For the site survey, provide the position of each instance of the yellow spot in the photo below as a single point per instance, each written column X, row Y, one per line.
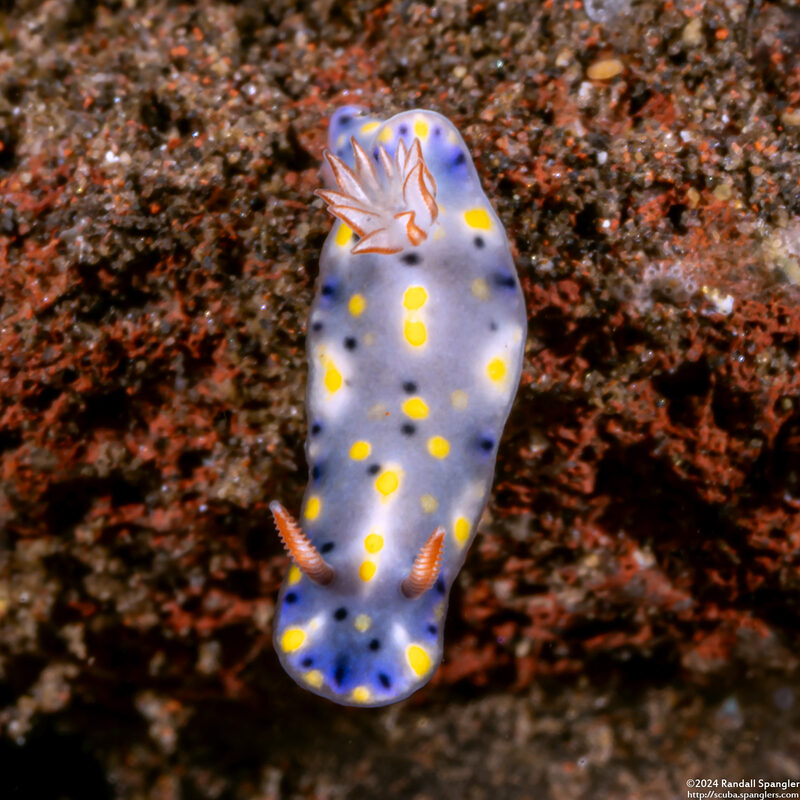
column 387, row 482
column 421, row 130
column 361, row 694
column 415, row 333
column 357, row 305
column 438, row 446
column 368, row 127
column 480, row 289
column 373, row 543
column 313, row 678
column 414, row 297
column 313, row 507
column 360, row 450
column 415, row 408
column 294, row 575
column 438, row 231
column 333, row 378
column 367, row 570
column 429, row 503
column 418, row 659
column 385, row 135
column 292, row 639
column 362, row 623
column 343, row 235
column 340, row 141
column 478, row 218
column 461, row 530
column 459, row 399
column 452, row 138
column 496, row 369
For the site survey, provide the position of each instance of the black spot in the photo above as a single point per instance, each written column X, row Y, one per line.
column 403, row 130
column 410, row 259
column 492, row 326
column 437, row 131
column 409, row 387
column 307, row 662
column 327, row 547
column 350, row 343
column 345, row 119
column 478, row 242
column 373, row 469
column 459, row 160
column 340, row 614
column 440, row 585
column 504, row 279
column 290, row 598
column 486, row 443
column 385, row 680
column 315, row 428
column 408, row 429
column 340, row 152
column 375, row 153
column 375, row 644
column 317, row 326
column 432, row 630
column 316, row 472
column 328, row 290
column 341, row 669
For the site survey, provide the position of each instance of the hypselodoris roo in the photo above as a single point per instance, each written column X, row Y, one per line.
column 415, row 345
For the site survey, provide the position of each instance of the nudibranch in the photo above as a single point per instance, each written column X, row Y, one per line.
column 415, row 345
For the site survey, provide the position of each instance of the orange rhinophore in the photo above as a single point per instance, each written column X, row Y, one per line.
column 299, row 548
column 426, row 566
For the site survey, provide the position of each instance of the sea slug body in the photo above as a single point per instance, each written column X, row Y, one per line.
column 415, row 344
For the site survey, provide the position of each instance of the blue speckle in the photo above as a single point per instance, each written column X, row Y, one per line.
column 327, row 547
column 307, row 662
column 403, row 130
column 290, row 598
column 341, row 669
column 432, row 630
column 504, row 279
column 486, row 443
column 440, row 585
column 385, row 680
column 459, row 160
column 316, row 472
column 315, row 428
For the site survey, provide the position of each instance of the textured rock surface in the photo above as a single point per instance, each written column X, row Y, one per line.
column 628, row 618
